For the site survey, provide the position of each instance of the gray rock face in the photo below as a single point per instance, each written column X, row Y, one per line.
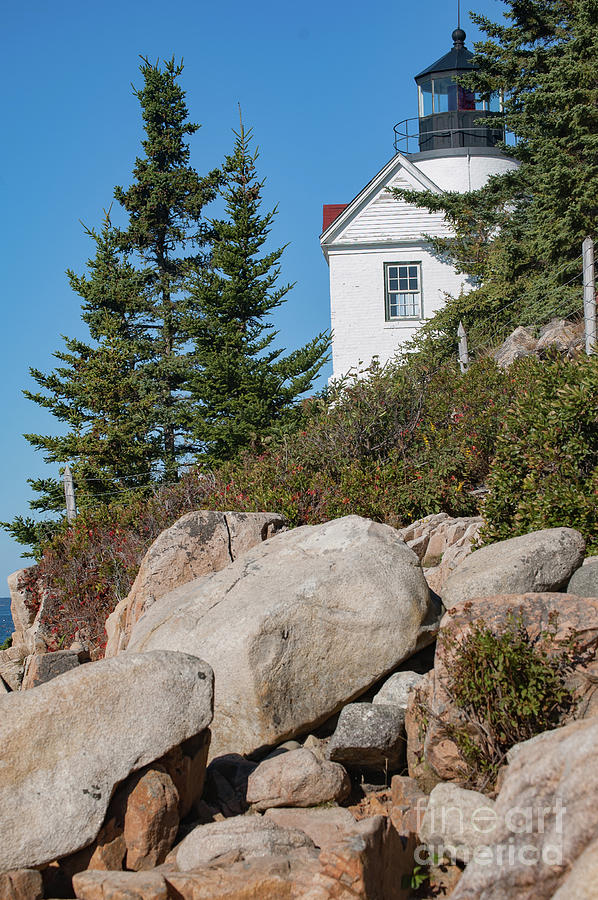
column 560, row 335
column 580, row 883
column 12, row 666
column 584, row 582
column 518, row 344
column 535, row 562
column 441, row 543
column 242, row 837
column 66, row 744
column 44, row 667
column 296, row 778
column 547, row 818
column 22, row 616
column 29, row 634
column 24, row 884
column 395, row 691
column 198, row 543
column 297, row 627
column 324, row 825
column 457, row 822
column 369, row 736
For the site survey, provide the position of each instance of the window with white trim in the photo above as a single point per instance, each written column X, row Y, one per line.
column 403, row 290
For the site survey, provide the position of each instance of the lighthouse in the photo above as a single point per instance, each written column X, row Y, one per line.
column 385, row 280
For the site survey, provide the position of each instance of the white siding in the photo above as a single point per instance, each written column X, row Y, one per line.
column 385, row 219
column 357, row 302
column 380, row 229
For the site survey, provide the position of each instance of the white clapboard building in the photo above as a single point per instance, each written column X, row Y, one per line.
column 384, row 279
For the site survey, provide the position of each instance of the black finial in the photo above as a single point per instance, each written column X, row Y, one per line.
column 458, row 38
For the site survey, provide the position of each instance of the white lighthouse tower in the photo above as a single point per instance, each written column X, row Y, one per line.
column 384, row 279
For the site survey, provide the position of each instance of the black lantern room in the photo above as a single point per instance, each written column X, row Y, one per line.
column 449, row 114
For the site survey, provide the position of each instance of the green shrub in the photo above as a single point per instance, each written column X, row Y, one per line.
column 394, row 447
column 508, row 687
column 545, row 470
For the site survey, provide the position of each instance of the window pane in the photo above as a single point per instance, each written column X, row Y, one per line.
column 403, row 291
column 445, row 95
column 467, row 98
column 495, row 102
column 411, row 304
column 425, row 94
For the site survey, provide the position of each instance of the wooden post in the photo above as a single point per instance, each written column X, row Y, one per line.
column 589, row 300
column 463, row 351
column 69, row 495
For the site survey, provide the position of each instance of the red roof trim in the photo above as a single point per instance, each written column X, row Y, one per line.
column 330, row 212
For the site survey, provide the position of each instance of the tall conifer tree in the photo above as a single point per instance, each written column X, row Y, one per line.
column 167, row 234
column 120, row 395
column 244, row 388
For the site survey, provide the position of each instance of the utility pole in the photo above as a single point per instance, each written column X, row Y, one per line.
column 463, row 351
column 589, row 294
column 69, row 495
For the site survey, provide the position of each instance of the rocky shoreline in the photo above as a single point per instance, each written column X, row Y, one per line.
column 255, row 729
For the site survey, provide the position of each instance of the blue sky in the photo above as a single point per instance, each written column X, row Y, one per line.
column 322, row 84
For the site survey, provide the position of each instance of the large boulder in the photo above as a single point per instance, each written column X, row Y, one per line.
column 457, row 822
column 367, row 861
column 296, row 778
column 520, row 343
column 241, row 837
column 12, row 666
column 395, row 691
column 68, row 743
column 442, row 543
column 325, row 825
column 562, row 336
column 43, row 667
column 546, row 819
column 151, row 819
column 121, row 886
column 584, row 581
column 198, row 543
column 297, row 627
column 369, row 736
column 539, row 561
column 432, row 715
column 580, row 883
column 24, row 884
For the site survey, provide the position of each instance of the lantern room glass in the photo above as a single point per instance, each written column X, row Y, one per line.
column 443, row 94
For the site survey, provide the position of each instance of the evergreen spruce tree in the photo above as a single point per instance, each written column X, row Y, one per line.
column 244, row 388
column 520, row 236
column 168, row 236
column 96, row 392
column 120, row 396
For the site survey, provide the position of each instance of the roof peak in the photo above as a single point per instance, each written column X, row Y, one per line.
column 458, row 57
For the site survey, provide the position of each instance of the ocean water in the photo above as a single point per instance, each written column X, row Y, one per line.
column 6, row 626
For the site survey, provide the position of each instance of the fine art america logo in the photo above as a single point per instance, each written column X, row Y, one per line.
column 524, row 835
